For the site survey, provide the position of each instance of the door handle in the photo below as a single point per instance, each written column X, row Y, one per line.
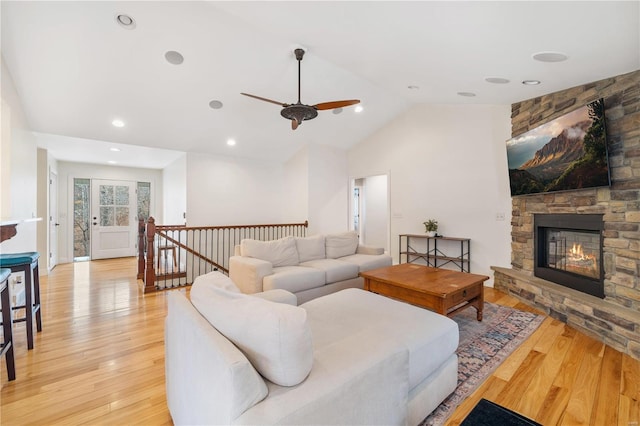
column 56, row 224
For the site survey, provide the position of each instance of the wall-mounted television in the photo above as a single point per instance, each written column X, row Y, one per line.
column 567, row 153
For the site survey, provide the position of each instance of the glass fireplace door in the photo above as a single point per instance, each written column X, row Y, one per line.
column 573, row 251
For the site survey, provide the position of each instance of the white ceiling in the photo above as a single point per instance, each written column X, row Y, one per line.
column 76, row 69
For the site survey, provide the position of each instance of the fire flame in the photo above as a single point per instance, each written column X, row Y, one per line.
column 577, row 253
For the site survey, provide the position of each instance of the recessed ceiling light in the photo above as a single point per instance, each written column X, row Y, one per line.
column 118, row 123
column 215, row 104
column 412, row 87
column 231, row 142
column 358, row 108
column 550, row 57
column 114, row 149
column 126, row 21
column 337, row 111
column 496, row 80
column 174, row 57
column 112, row 162
column 467, row 94
column 530, row 82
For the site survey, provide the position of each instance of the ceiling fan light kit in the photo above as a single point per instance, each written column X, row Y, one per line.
column 300, row 112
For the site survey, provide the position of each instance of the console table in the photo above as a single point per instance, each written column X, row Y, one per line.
column 440, row 251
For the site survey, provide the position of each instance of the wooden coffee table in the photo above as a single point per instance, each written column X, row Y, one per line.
column 440, row 290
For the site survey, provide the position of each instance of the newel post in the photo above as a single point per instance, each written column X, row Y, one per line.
column 150, row 273
column 141, row 245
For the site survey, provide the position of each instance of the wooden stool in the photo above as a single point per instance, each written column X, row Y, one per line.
column 173, row 255
column 28, row 264
column 7, row 324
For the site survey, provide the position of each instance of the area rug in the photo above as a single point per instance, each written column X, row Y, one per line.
column 483, row 347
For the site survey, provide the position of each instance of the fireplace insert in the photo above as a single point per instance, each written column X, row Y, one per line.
column 568, row 251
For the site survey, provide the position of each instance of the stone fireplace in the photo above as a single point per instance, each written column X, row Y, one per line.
column 568, row 251
column 583, row 274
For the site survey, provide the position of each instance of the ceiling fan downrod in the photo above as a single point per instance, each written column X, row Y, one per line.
column 299, row 55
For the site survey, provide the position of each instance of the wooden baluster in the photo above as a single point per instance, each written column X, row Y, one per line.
column 141, row 244
column 150, row 273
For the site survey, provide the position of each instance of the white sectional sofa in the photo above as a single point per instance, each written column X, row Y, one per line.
column 308, row 267
column 351, row 357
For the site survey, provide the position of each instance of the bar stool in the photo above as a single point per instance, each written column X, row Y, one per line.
column 28, row 264
column 7, row 325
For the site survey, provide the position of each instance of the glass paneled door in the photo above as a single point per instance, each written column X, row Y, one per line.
column 113, row 224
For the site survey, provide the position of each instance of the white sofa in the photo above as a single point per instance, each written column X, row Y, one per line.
column 351, row 357
column 308, row 267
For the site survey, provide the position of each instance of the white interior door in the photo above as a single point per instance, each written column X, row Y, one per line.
column 53, row 220
column 113, row 226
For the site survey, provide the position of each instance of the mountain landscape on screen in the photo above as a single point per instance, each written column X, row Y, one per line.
column 569, row 152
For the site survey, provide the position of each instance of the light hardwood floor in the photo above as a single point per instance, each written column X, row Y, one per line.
column 100, row 360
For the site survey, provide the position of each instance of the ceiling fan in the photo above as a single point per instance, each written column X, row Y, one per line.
column 299, row 112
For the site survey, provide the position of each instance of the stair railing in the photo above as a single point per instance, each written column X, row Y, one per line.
column 172, row 256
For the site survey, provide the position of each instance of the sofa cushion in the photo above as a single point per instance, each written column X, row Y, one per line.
column 367, row 262
column 280, row 252
column 310, row 248
column 342, row 244
column 275, row 337
column 431, row 338
column 294, row 279
column 334, row 270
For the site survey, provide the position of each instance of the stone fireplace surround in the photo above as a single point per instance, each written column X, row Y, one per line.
column 615, row 320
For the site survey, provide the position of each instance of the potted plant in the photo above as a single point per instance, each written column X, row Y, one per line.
column 431, row 227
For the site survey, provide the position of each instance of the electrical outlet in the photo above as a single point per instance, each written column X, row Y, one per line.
column 500, row 216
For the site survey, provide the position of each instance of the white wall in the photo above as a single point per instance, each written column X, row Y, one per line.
column 446, row 162
column 230, row 191
column 174, row 187
column 67, row 171
column 296, row 181
column 18, row 161
column 328, row 190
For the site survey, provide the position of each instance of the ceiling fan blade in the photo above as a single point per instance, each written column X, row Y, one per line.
column 265, row 99
column 335, row 104
column 294, row 124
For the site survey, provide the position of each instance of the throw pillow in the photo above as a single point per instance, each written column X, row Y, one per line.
column 342, row 244
column 280, row 252
column 310, row 248
column 218, row 279
column 275, row 337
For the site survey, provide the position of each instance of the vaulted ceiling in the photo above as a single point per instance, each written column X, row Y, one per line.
column 76, row 69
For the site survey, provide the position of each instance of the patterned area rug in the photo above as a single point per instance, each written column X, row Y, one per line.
column 483, row 347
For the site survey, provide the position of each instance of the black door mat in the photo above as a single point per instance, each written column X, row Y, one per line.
column 487, row 413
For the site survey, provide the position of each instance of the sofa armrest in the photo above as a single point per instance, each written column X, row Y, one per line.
column 247, row 273
column 279, row 296
column 358, row 380
column 362, row 249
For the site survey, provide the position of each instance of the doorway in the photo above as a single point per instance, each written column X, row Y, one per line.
column 87, row 211
column 369, row 210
